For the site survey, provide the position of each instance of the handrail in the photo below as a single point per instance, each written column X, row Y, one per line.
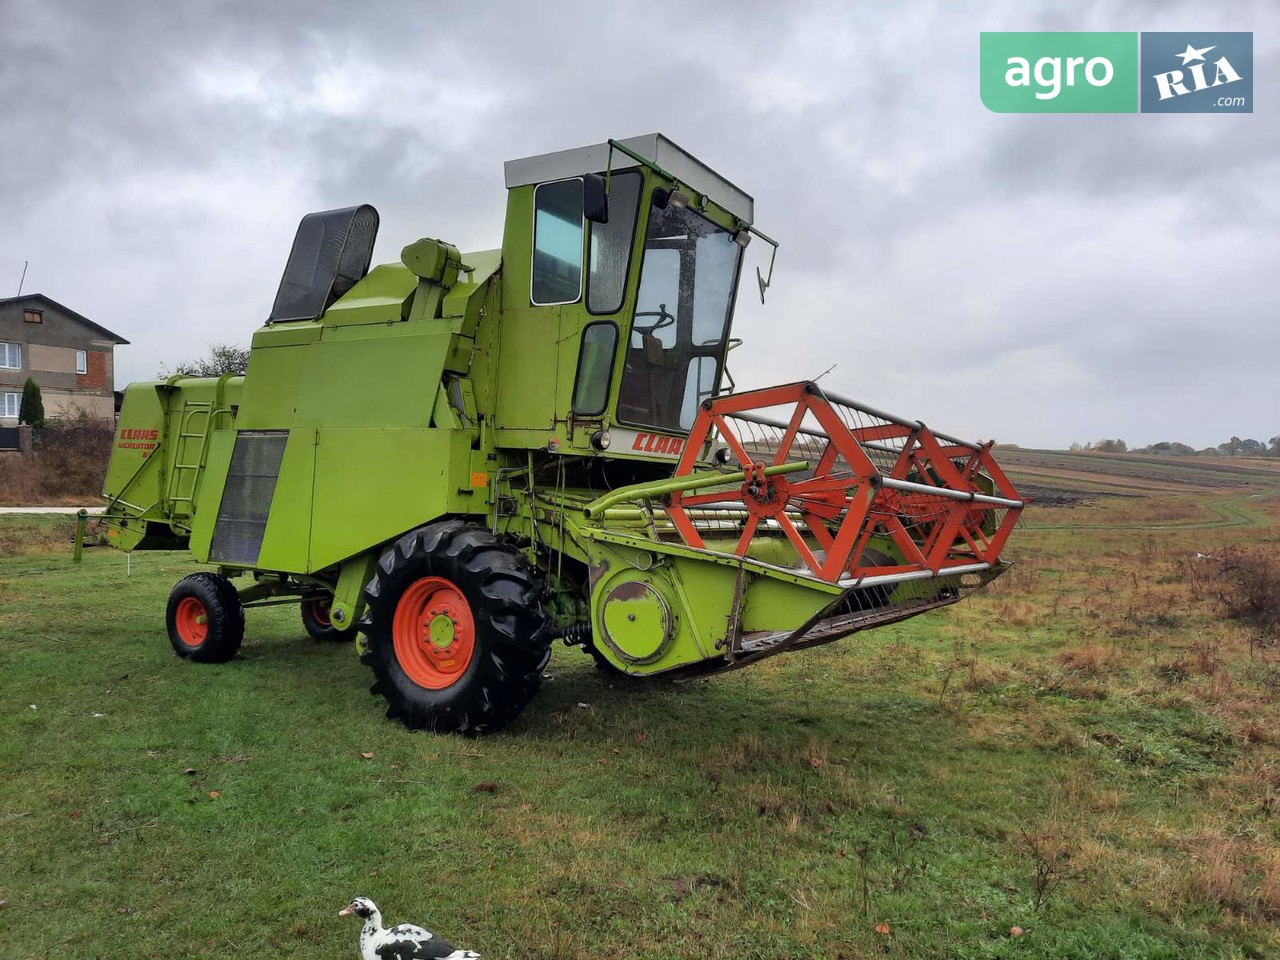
column 693, row 481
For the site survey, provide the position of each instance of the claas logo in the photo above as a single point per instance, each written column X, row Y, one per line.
column 144, row 440
column 657, row 443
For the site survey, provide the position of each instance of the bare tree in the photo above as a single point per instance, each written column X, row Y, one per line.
column 221, row 358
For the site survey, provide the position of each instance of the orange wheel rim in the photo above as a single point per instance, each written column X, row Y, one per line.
column 192, row 621
column 434, row 633
column 320, row 612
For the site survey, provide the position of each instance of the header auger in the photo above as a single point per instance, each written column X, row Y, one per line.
column 458, row 458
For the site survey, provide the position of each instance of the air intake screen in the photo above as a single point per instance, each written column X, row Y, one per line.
column 330, row 255
column 246, row 499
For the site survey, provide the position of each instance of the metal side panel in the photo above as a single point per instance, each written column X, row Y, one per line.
column 372, row 485
column 247, row 496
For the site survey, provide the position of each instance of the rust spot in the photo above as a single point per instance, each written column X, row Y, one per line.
column 598, row 570
column 631, row 590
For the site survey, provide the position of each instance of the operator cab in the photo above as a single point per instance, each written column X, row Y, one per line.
column 634, row 247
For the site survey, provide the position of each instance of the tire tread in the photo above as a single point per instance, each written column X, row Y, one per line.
column 512, row 633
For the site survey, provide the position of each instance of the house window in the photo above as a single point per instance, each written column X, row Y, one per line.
column 10, row 405
column 10, row 356
column 33, row 316
column 82, row 361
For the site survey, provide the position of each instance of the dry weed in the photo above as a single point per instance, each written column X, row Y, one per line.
column 1237, row 875
column 1051, row 859
column 741, row 754
column 1089, row 660
column 1017, row 613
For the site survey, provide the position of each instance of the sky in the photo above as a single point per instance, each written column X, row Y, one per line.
column 1038, row 279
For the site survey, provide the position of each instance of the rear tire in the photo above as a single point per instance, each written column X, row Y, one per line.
column 205, row 618
column 315, row 620
column 457, row 637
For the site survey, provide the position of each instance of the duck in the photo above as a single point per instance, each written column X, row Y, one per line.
column 404, row 941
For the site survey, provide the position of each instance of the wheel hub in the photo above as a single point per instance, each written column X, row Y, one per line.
column 433, row 632
column 440, row 630
column 192, row 621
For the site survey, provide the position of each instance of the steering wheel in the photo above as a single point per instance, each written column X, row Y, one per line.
column 664, row 320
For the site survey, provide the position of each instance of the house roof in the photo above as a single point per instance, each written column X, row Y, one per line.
column 33, row 297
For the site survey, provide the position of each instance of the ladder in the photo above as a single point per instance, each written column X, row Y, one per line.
column 187, row 457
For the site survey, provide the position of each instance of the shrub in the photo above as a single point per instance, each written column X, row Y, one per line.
column 32, row 409
column 1250, row 589
column 69, row 463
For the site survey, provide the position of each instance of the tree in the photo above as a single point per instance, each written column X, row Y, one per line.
column 1169, row 448
column 1111, row 446
column 32, row 409
column 222, row 358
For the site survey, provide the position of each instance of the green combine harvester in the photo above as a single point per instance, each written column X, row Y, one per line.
column 460, row 458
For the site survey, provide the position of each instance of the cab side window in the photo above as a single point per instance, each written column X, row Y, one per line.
column 595, row 368
column 610, row 246
column 557, row 242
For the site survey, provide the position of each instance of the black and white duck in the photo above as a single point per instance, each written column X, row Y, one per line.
column 404, row 941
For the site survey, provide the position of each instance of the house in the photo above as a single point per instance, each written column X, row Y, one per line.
column 68, row 355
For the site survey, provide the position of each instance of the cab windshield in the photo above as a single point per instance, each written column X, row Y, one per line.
column 676, row 347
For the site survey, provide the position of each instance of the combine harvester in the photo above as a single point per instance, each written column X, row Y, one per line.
column 466, row 457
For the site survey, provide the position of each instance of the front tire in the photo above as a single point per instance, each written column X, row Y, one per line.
column 457, row 636
column 205, row 618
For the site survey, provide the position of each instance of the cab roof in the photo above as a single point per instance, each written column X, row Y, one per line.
column 653, row 146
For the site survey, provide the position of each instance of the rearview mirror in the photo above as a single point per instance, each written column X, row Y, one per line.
column 595, row 202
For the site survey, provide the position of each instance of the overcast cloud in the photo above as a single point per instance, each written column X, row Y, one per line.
column 1040, row 279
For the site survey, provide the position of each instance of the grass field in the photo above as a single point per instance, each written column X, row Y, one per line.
column 1082, row 762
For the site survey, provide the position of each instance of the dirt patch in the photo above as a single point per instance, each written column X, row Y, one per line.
column 1047, row 495
column 41, row 533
